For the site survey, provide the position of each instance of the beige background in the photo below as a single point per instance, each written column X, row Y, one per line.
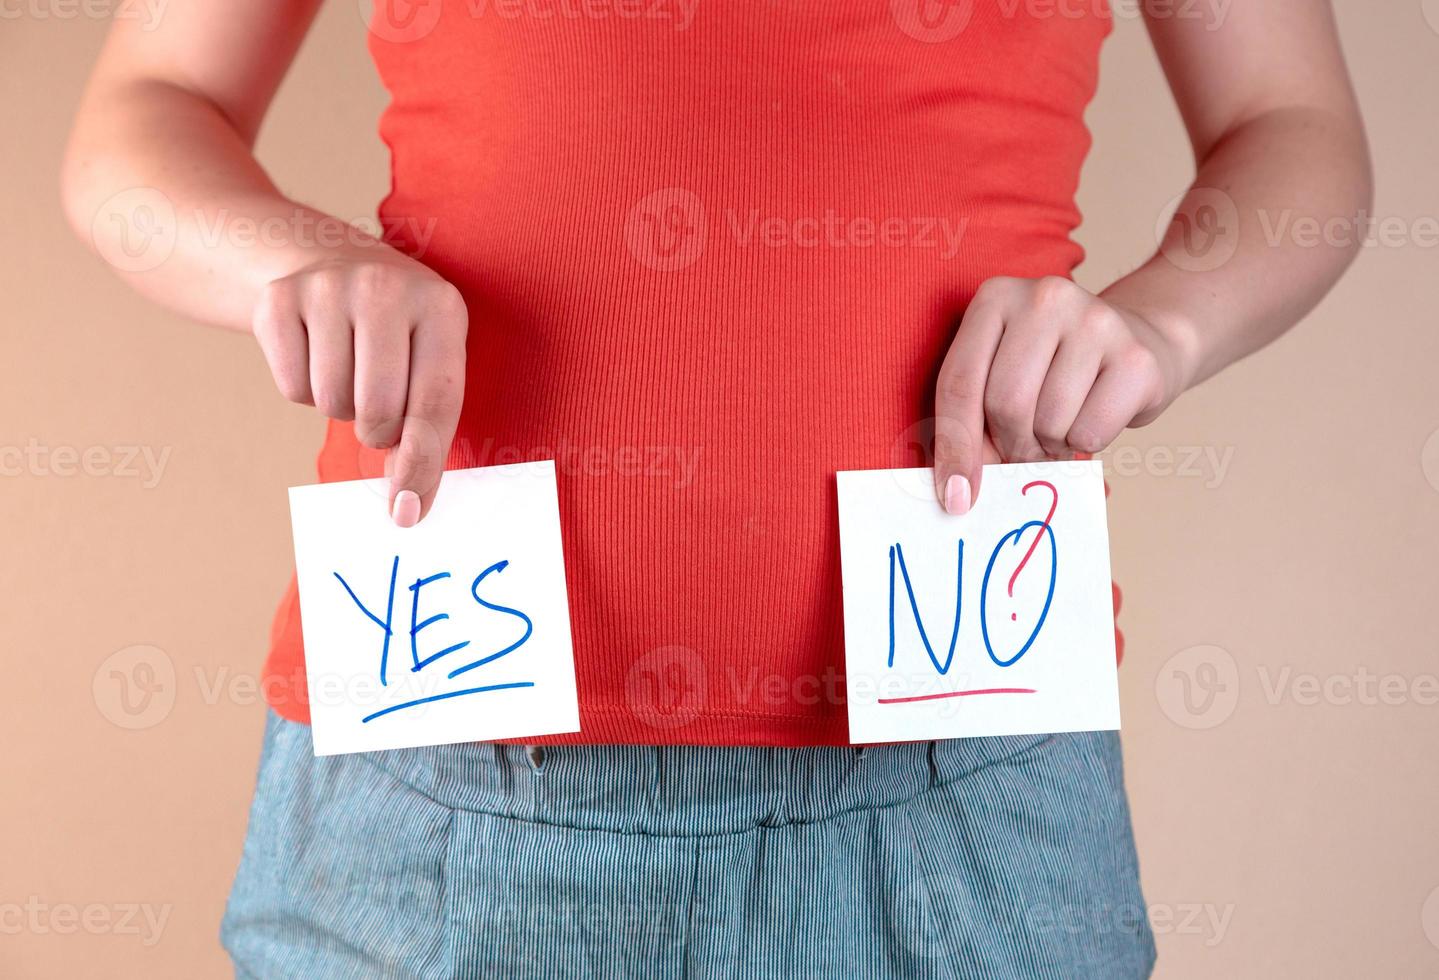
column 1283, row 832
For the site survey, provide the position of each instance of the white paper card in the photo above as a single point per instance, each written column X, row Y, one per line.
column 455, row 630
column 999, row 622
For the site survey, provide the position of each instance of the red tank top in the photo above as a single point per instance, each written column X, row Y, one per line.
column 714, row 253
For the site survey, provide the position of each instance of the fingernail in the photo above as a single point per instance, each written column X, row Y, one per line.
column 956, row 495
column 406, row 510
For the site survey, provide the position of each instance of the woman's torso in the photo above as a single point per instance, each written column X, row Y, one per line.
column 713, row 253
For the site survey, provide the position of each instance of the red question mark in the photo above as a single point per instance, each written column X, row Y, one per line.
column 1039, row 534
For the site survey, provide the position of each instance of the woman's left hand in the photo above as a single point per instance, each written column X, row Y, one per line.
column 1044, row 369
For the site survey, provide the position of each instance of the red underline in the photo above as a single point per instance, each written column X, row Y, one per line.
column 959, row 694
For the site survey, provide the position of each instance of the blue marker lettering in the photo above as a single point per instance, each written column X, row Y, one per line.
column 529, row 623
column 384, row 624
column 415, row 629
column 897, row 552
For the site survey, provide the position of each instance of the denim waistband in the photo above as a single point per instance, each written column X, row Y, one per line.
column 688, row 790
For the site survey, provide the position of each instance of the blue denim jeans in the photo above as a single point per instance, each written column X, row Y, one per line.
column 993, row 858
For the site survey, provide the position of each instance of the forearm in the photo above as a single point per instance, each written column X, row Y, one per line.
column 1249, row 269
column 218, row 228
column 1282, row 178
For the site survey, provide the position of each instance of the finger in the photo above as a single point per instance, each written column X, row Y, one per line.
column 332, row 359
column 281, row 336
column 432, row 411
column 959, row 401
column 1071, row 376
column 1111, row 405
column 382, row 378
column 1025, row 352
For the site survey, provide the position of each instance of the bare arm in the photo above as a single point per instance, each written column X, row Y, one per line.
column 1042, row 368
column 160, row 180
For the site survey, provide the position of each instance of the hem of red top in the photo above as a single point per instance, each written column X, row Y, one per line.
column 679, row 728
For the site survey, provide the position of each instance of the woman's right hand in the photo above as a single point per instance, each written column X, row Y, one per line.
column 165, row 132
column 372, row 335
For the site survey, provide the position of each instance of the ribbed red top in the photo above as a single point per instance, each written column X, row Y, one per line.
column 713, row 253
